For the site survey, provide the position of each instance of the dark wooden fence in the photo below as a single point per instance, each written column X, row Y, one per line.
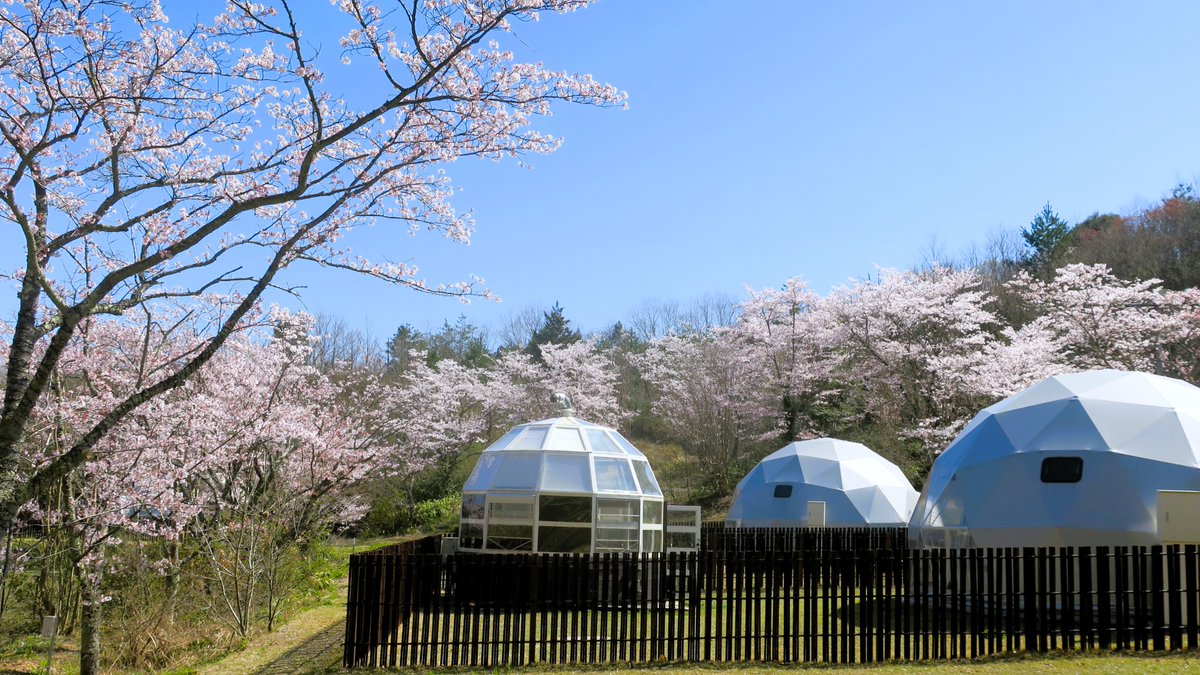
column 843, row 605
column 719, row 537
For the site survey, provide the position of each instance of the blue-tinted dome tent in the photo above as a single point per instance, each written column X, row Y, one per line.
column 1075, row 460
column 858, row 487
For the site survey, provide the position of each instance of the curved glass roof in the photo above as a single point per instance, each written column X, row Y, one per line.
column 566, row 434
column 563, row 455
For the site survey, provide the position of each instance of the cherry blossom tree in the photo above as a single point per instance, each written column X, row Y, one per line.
column 787, row 335
column 520, row 388
column 427, row 417
column 1015, row 359
column 901, row 336
column 1084, row 317
column 272, row 472
column 910, row 356
column 1097, row 320
column 249, row 459
column 144, row 161
column 711, row 392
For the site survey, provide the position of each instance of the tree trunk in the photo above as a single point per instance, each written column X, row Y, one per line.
column 93, row 607
column 5, row 568
column 173, row 581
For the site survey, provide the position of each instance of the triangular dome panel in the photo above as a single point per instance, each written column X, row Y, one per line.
column 1022, row 425
column 1071, row 430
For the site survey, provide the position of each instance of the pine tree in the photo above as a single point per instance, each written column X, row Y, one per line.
column 555, row 329
column 1049, row 236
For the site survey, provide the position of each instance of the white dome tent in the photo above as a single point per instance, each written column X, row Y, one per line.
column 1075, row 460
column 562, row 485
column 857, row 486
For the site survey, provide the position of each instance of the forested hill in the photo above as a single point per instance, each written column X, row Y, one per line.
column 899, row 361
column 1161, row 242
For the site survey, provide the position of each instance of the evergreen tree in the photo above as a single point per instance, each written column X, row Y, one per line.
column 1184, row 192
column 619, row 338
column 555, row 329
column 461, row 341
column 1049, row 237
column 405, row 338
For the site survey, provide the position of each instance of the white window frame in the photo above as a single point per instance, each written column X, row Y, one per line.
column 538, row 522
column 530, row 499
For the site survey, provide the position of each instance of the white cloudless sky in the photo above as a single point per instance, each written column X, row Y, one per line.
column 783, row 138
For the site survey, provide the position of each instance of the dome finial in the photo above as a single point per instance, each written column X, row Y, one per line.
column 563, row 403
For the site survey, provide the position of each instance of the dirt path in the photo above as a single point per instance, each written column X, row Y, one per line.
column 310, row 642
column 318, row 655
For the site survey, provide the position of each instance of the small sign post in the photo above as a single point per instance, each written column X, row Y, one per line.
column 50, row 631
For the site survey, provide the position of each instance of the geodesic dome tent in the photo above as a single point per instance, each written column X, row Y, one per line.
column 1075, row 460
column 562, row 485
column 858, row 487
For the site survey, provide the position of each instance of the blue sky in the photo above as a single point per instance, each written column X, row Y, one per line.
column 776, row 139
column 810, row 139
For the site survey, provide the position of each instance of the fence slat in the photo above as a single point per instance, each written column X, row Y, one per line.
column 1190, row 553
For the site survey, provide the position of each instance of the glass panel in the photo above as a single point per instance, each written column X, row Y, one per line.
column 553, row 539
column 613, row 475
column 601, row 442
column 652, row 512
column 684, row 540
column 609, row 539
column 566, row 473
column 517, row 472
column 530, row 440
column 618, row 511
column 783, row 491
column 628, row 447
column 510, row 513
column 652, row 541
column 683, row 517
column 510, row 537
column 472, row 507
column 564, row 439
column 565, row 509
column 485, row 469
column 504, row 440
column 646, row 479
column 470, row 536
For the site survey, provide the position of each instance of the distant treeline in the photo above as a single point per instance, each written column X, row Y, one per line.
column 900, row 360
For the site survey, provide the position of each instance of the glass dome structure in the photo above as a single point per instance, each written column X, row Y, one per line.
column 562, row 485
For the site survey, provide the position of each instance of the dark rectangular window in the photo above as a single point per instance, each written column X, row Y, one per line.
column 783, row 491
column 564, row 539
column 565, row 509
column 1062, row 469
